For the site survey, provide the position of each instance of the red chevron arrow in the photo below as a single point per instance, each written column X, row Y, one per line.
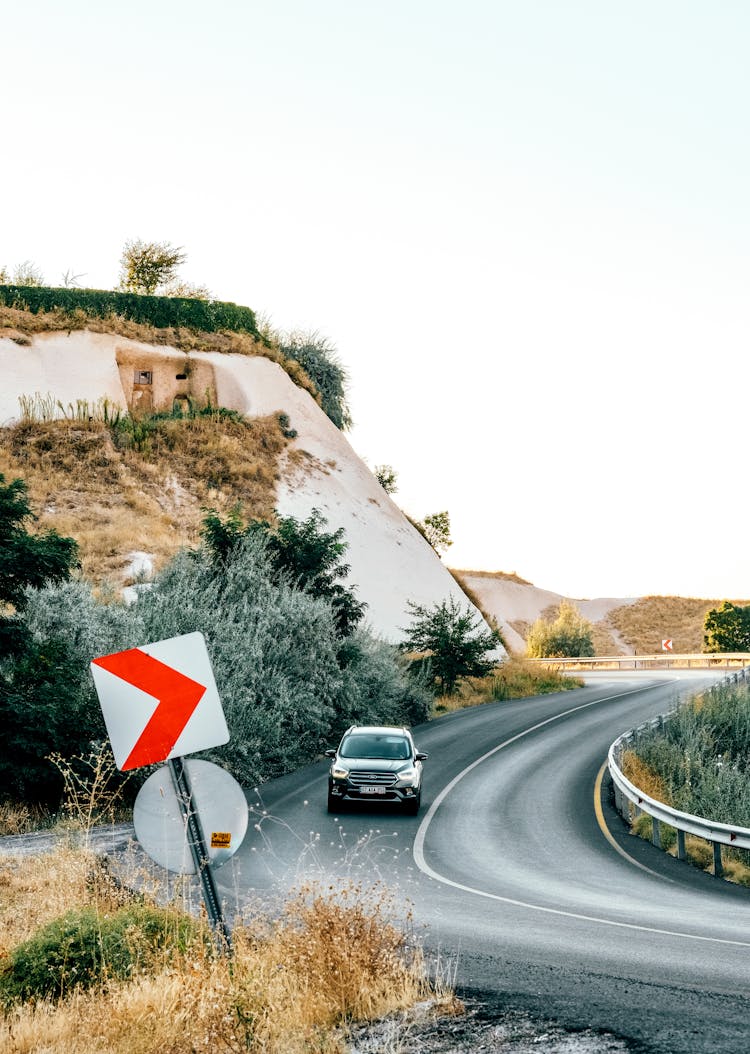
column 178, row 697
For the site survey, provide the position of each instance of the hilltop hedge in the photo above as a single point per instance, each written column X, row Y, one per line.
column 163, row 312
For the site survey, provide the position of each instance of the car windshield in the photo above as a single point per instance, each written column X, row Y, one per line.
column 373, row 745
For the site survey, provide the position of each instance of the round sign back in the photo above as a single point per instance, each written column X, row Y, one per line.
column 219, row 802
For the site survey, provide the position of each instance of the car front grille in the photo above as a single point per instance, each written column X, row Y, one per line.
column 372, row 779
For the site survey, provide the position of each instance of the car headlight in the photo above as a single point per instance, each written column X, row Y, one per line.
column 339, row 772
column 407, row 775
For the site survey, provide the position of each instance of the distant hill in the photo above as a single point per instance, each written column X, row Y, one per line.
column 622, row 626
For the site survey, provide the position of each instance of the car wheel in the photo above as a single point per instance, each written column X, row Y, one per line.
column 332, row 803
column 411, row 805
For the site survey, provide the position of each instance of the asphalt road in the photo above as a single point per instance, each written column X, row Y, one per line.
column 515, row 886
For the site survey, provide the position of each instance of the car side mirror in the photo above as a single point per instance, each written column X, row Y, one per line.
column 330, row 753
column 421, row 757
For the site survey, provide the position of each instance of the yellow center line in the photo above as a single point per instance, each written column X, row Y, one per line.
column 608, row 834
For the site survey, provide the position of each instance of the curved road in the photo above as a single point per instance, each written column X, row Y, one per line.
column 523, row 877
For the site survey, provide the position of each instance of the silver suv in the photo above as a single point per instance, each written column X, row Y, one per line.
column 376, row 763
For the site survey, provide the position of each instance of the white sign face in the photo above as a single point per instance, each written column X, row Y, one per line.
column 666, row 645
column 160, row 701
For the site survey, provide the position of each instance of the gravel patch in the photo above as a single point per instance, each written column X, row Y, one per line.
column 481, row 1029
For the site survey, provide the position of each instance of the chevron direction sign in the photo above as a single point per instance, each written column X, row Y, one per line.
column 160, row 701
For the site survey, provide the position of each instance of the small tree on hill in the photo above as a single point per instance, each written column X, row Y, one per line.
column 386, row 476
column 437, row 530
column 27, row 273
column 144, row 266
column 454, row 639
column 727, row 628
column 187, row 290
column 568, row 636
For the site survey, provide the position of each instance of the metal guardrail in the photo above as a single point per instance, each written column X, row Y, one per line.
column 662, row 660
column 718, row 834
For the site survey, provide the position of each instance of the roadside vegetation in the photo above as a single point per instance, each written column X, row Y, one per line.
column 88, row 967
column 514, row 678
column 699, row 763
column 458, row 658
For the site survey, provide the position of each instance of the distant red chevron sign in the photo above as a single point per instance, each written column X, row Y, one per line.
column 159, row 701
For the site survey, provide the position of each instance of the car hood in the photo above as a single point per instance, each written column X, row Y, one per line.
column 372, row 764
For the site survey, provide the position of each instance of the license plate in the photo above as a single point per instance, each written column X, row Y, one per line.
column 372, row 790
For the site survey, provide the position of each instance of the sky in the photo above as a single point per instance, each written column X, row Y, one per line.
column 524, row 224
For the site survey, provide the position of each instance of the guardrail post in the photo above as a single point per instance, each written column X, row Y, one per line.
column 656, row 832
column 718, row 867
column 681, row 854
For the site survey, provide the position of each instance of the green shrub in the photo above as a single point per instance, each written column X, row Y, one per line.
column 569, row 635
column 320, row 361
column 208, row 316
column 454, row 639
column 83, row 948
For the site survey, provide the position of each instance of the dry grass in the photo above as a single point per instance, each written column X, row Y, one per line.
column 19, row 325
column 334, row 957
column 644, row 777
column 36, row 890
column 649, row 620
column 603, row 641
column 513, row 679
column 20, row 818
column 698, row 851
column 507, row 576
column 115, row 501
column 521, row 626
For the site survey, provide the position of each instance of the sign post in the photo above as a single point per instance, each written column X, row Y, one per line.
column 199, row 851
column 159, row 702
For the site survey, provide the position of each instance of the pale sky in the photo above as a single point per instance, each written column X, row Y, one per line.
column 524, row 225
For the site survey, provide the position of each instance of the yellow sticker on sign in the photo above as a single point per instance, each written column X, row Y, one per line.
column 221, row 839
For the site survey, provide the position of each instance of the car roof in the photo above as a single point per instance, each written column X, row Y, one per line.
column 389, row 730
